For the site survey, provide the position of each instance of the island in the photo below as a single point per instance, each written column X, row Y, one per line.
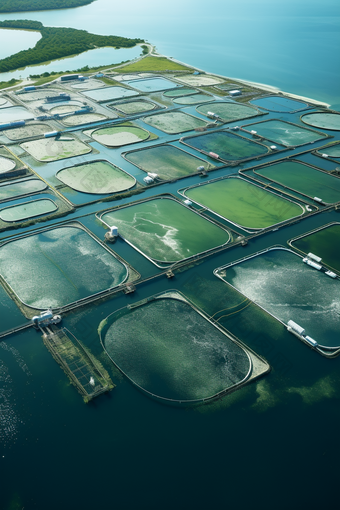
column 57, row 42
column 39, row 5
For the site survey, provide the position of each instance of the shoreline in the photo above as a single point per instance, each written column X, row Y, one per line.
column 262, row 86
column 153, row 53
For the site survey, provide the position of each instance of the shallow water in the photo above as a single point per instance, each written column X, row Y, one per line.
column 165, row 230
column 304, row 179
column 243, row 203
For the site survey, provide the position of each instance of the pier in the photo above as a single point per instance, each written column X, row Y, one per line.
column 84, row 371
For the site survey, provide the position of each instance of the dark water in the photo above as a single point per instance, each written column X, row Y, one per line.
column 270, row 445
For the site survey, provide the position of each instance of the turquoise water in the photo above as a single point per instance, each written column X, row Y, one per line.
column 27, row 210
column 16, row 40
column 308, row 33
column 285, row 133
column 13, row 114
column 16, row 189
column 279, row 104
column 109, row 93
column 152, row 84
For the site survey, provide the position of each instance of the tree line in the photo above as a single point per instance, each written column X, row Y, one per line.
column 57, row 43
column 39, row 5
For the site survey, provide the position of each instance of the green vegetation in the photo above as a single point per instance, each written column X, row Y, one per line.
column 154, row 64
column 10, row 83
column 39, row 5
column 58, row 43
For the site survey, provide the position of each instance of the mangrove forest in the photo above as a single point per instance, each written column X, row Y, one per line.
column 39, row 5
column 57, row 43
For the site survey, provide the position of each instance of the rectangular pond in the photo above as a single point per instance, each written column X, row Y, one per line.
column 167, row 161
column 279, row 104
column 17, row 189
column 278, row 281
column 285, row 133
column 226, row 146
column 229, row 111
column 174, row 122
column 304, row 179
column 165, row 231
column 109, row 93
column 243, row 203
column 58, row 266
column 324, row 243
column 152, row 84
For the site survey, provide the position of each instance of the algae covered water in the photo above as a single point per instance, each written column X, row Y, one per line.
column 165, row 230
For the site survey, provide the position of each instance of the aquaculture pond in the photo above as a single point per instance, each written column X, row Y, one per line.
column 194, row 99
column 58, row 266
column 84, row 118
column 167, row 161
column 38, row 94
column 152, row 84
column 279, row 104
column 117, row 136
column 55, row 148
column 27, row 210
column 14, row 113
column 180, row 91
column 303, row 178
column 226, row 146
column 6, row 164
column 27, row 131
column 243, row 203
column 174, row 122
column 228, row 110
column 324, row 243
column 199, row 80
column 285, row 133
column 172, row 351
column 323, row 120
column 164, row 230
column 278, row 281
column 96, row 177
column 21, row 188
column 133, row 107
column 69, row 107
column 332, row 151
column 110, row 93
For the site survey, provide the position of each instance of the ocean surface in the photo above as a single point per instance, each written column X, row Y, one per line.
column 289, row 44
column 271, row 445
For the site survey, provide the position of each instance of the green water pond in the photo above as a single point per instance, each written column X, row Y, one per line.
column 304, row 179
column 165, row 230
column 167, row 161
column 324, row 243
column 244, row 203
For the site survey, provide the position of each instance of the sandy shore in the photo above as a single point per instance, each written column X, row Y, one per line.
column 275, row 90
column 262, row 86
